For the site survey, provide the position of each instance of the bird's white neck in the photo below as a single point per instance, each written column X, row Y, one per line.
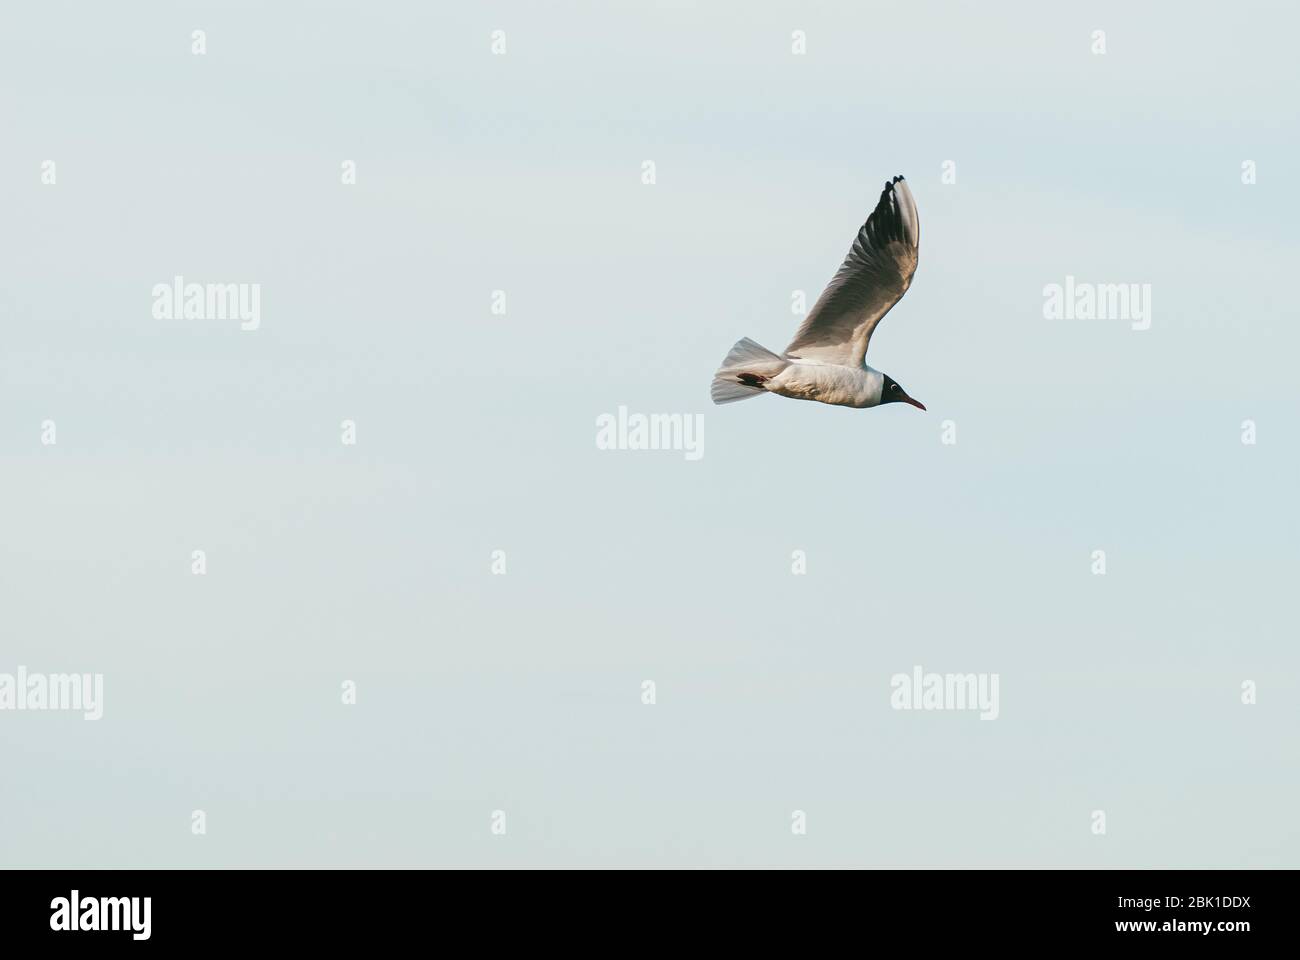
column 875, row 386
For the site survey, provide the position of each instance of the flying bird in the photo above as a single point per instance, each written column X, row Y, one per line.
column 826, row 360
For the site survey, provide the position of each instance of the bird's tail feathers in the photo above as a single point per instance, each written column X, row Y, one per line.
column 745, row 372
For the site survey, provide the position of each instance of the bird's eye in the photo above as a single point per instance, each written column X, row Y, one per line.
column 893, row 386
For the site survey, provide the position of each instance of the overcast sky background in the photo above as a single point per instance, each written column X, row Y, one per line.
column 476, row 433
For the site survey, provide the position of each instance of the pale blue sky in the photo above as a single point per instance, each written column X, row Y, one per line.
column 476, row 433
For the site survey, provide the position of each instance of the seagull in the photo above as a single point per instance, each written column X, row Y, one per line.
column 826, row 360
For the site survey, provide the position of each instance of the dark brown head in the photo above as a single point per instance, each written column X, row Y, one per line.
column 891, row 392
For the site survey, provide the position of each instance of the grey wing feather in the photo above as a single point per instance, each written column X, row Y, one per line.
column 874, row 277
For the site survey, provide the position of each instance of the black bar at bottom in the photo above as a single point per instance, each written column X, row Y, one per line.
column 335, row 908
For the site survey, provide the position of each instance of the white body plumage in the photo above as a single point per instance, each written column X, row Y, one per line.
column 828, row 383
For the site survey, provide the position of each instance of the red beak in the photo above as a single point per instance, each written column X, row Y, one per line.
column 916, row 403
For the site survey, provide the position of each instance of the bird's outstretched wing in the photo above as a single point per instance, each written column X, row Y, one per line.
column 874, row 277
